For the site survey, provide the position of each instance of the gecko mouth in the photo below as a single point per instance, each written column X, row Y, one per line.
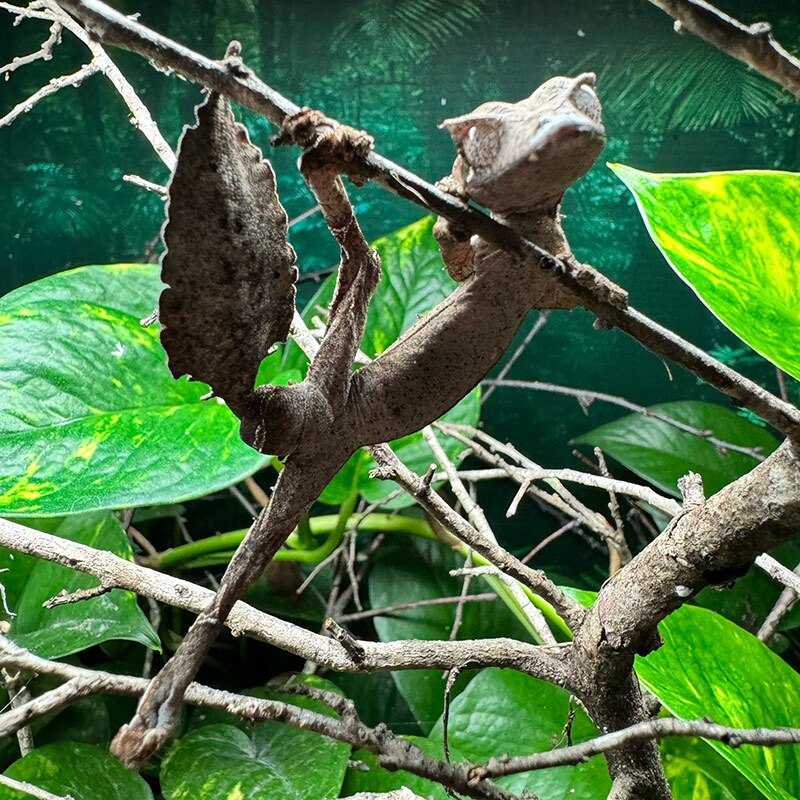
column 561, row 128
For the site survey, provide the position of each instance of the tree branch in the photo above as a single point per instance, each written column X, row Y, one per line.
column 645, row 731
column 712, row 543
column 753, row 44
column 245, row 620
column 240, row 84
column 393, row 752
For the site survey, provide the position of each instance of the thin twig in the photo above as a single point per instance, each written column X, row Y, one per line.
column 560, row 499
column 535, row 580
column 620, row 552
column 258, row 494
column 21, row 716
column 478, row 519
column 571, row 525
column 458, row 617
column 384, row 611
column 45, row 52
column 541, row 321
column 452, row 677
column 243, row 501
column 776, row 570
column 785, row 603
column 585, row 397
column 30, row 789
column 50, row 88
column 149, row 186
column 140, row 116
column 64, row 597
column 643, row 731
column 18, row 696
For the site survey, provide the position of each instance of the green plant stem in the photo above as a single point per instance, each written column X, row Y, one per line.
column 557, row 625
column 216, row 550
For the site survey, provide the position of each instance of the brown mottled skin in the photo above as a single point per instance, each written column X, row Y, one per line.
column 515, row 159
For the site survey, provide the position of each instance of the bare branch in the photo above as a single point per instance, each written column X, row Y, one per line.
column 13, row 721
column 245, row 620
column 711, row 543
column 585, row 397
column 65, row 598
column 776, row 570
column 18, row 696
column 140, row 115
column 642, row 732
column 753, row 44
column 50, row 88
column 785, row 603
column 393, row 469
column 481, row 524
column 560, row 499
column 45, row 52
column 156, row 188
column 30, row 789
column 392, row 752
column 541, row 321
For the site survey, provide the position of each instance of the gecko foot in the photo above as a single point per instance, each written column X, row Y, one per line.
column 328, row 144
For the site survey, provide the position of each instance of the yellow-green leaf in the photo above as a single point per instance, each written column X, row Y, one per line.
column 734, row 237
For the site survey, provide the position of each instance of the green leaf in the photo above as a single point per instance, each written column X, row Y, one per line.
column 377, row 779
column 413, row 281
column 733, row 237
column 79, row 770
column 65, row 629
column 709, row 667
column 503, row 711
column 661, row 453
column 101, row 423
column 377, row 699
column 262, row 761
column 696, row 771
column 412, row 571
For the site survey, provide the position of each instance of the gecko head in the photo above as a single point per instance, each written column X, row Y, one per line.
column 521, row 157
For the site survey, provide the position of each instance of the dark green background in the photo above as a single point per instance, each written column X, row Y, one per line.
column 397, row 68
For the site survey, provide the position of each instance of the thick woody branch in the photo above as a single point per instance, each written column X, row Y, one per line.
column 245, row 620
column 713, row 544
column 710, row 544
column 753, row 44
column 392, row 752
column 241, row 85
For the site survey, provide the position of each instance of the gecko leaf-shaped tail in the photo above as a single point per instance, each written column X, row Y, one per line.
column 229, row 269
